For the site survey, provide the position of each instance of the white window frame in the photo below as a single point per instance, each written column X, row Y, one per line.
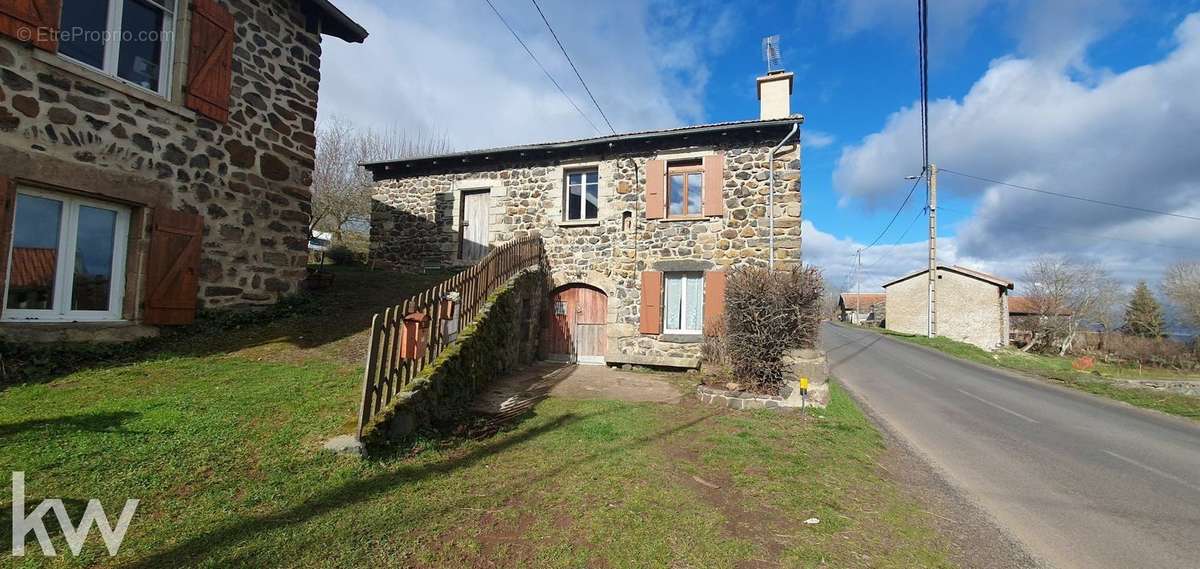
column 112, row 45
column 683, row 307
column 583, row 196
column 64, row 275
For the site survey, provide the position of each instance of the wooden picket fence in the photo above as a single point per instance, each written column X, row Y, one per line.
column 395, row 357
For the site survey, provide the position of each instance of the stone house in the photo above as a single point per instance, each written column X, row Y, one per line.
column 972, row 306
column 861, row 308
column 639, row 228
column 155, row 157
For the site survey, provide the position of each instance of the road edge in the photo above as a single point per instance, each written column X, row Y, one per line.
column 977, row 541
column 1040, row 380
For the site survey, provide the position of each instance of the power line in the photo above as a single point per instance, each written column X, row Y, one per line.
column 901, row 208
column 564, row 52
column 1081, row 233
column 923, row 71
column 542, row 67
column 1073, row 197
column 901, row 238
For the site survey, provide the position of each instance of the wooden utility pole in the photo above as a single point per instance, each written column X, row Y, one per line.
column 933, row 277
column 858, row 297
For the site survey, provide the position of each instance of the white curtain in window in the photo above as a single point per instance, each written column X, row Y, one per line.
column 693, row 306
column 673, row 303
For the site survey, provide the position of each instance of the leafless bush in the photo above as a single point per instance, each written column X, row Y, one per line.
column 768, row 313
column 1124, row 349
column 716, row 349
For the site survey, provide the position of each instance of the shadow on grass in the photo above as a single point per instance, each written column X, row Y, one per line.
column 74, row 506
column 303, row 321
column 353, row 494
column 91, row 422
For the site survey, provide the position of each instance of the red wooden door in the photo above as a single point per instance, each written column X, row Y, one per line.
column 575, row 327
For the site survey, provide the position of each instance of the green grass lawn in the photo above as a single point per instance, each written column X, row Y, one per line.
column 1059, row 370
column 218, row 437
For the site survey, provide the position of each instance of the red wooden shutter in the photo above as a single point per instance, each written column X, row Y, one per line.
column 210, row 60
column 714, row 301
column 713, row 196
column 651, row 316
column 656, row 199
column 8, row 197
column 172, row 271
column 31, row 21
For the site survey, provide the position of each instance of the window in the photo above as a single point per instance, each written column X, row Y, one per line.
column 582, row 196
column 685, row 183
column 67, row 259
column 128, row 39
column 683, row 303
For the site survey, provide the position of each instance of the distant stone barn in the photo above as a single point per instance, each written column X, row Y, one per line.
column 972, row 307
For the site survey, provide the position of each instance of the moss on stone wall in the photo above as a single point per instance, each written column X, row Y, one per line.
column 504, row 337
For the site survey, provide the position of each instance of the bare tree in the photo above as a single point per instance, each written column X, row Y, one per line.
column 1182, row 285
column 342, row 188
column 1067, row 296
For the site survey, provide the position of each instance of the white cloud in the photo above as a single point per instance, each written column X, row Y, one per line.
column 1056, row 31
column 1128, row 138
column 949, row 22
column 817, row 139
column 881, row 263
column 451, row 67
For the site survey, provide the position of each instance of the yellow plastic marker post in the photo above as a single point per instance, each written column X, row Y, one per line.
column 804, row 383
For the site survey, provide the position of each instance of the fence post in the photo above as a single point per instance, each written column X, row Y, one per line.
column 366, row 411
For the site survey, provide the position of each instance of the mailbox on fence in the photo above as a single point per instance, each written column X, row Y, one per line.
column 451, row 305
column 414, row 336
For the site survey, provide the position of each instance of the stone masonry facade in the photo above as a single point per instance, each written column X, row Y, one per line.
column 416, row 219
column 969, row 309
column 65, row 126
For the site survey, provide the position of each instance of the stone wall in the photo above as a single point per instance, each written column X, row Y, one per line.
column 68, row 127
column 415, row 222
column 969, row 310
column 503, row 337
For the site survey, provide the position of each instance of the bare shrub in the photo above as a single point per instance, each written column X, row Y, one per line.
column 1125, row 349
column 716, row 349
column 768, row 313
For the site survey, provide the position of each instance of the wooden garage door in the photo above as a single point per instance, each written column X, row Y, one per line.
column 575, row 327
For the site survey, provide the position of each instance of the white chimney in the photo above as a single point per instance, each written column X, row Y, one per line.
column 775, row 95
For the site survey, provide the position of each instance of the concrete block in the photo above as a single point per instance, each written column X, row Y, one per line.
column 345, row 444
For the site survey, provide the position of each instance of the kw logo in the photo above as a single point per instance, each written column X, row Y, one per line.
column 75, row 535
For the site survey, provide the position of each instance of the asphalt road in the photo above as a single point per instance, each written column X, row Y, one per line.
column 1077, row 480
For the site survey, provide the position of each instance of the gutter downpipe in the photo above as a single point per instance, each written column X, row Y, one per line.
column 771, row 195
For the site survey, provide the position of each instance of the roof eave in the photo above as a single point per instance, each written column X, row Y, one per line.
column 335, row 22
column 392, row 167
column 1008, row 285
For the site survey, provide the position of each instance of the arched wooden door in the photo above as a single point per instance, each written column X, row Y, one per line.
column 575, row 328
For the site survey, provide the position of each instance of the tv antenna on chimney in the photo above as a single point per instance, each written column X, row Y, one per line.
column 771, row 55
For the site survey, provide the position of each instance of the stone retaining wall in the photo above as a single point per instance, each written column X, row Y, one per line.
column 504, row 337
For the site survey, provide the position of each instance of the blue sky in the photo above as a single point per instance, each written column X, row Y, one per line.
column 1090, row 97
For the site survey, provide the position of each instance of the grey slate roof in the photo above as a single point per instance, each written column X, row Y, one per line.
column 397, row 167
